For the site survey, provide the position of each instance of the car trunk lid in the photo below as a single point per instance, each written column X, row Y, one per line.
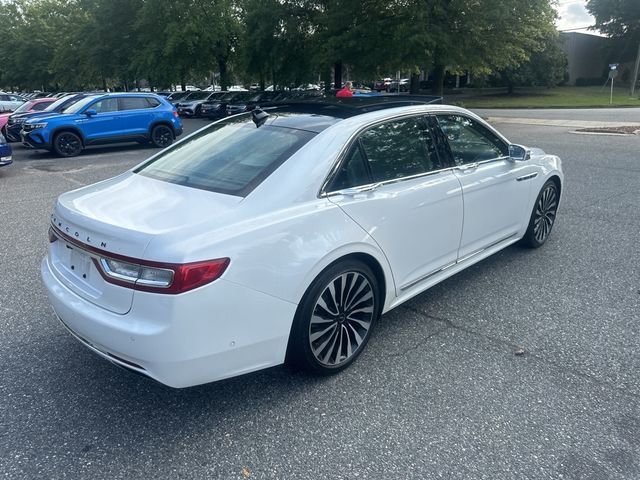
column 117, row 219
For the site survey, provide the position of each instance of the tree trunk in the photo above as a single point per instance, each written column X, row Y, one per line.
column 438, row 79
column 337, row 75
column 415, row 83
column 183, row 82
column 222, row 66
column 104, row 84
column 263, row 81
column 326, row 78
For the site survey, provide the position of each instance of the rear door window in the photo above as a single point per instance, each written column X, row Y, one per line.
column 133, row 103
column 399, row 148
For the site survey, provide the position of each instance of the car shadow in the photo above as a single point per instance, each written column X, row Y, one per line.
column 34, row 154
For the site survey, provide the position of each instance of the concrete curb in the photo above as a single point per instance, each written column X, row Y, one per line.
column 560, row 123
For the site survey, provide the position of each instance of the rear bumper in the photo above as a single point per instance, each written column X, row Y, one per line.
column 214, row 332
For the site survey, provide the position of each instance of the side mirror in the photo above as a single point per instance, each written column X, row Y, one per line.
column 90, row 113
column 519, row 153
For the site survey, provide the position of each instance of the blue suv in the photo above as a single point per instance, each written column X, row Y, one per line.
column 102, row 119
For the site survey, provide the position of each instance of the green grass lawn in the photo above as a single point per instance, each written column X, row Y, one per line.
column 561, row 97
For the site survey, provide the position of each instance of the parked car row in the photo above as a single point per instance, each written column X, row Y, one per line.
column 69, row 124
column 216, row 105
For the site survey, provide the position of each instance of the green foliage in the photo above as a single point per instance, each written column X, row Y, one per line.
column 71, row 44
column 546, row 67
column 617, row 18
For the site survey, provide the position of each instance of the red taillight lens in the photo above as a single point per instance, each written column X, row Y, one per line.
column 175, row 113
column 194, row 275
column 168, row 278
column 147, row 275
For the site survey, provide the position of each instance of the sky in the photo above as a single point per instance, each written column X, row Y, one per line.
column 573, row 14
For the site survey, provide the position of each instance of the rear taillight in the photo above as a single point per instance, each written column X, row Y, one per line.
column 175, row 113
column 160, row 278
column 146, row 275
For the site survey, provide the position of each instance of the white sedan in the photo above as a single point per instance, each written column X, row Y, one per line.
column 9, row 102
column 284, row 234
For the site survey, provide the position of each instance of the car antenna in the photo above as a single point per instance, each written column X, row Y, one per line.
column 259, row 116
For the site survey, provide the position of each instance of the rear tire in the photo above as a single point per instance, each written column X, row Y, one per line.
column 543, row 216
column 67, row 144
column 161, row 136
column 334, row 321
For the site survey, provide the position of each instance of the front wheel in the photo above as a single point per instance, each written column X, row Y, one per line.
column 161, row 136
column 67, row 144
column 543, row 216
column 335, row 318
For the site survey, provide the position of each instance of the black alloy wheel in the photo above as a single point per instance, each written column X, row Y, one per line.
column 161, row 136
column 543, row 216
column 335, row 318
column 67, row 144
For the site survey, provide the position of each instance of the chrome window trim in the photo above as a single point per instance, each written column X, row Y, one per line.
column 322, row 193
column 375, row 185
column 465, row 166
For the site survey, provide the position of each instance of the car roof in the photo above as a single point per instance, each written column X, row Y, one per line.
column 317, row 115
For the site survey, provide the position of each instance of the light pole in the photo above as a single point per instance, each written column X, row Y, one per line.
column 635, row 73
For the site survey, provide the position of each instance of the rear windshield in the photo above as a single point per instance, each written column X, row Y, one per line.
column 232, row 157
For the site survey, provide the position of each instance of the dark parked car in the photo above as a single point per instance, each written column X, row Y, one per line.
column 217, row 108
column 175, row 97
column 242, row 104
column 191, row 105
column 14, row 124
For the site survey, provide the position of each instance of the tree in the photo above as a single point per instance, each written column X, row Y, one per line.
column 620, row 19
column 485, row 35
column 617, row 18
column 546, row 67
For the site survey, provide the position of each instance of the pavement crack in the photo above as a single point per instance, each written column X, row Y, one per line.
column 449, row 324
column 418, row 344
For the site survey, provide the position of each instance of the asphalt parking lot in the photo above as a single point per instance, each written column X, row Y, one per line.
column 443, row 389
